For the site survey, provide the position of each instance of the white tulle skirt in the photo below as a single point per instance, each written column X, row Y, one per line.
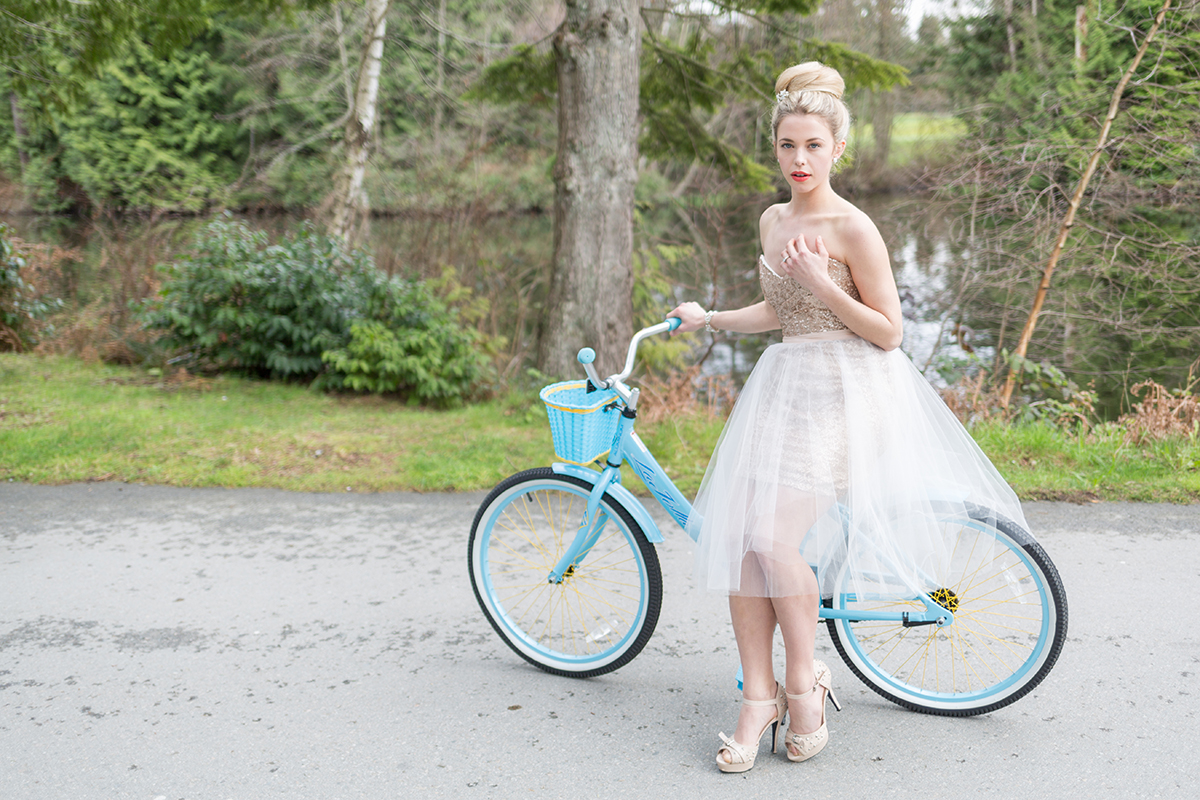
column 838, row 456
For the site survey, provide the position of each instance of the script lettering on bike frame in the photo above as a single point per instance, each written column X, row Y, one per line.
column 667, row 501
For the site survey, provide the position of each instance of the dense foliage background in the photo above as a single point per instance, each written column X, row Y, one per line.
column 987, row 115
column 250, row 112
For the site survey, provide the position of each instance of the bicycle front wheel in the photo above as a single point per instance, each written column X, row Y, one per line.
column 605, row 608
column 1010, row 622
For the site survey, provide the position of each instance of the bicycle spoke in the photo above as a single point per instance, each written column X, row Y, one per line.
column 1025, row 631
column 516, row 553
column 964, row 643
column 599, row 599
column 983, row 641
column 922, row 655
column 1003, row 587
column 987, row 635
column 984, row 610
column 622, row 618
column 515, row 530
column 995, row 584
column 993, row 576
column 965, row 633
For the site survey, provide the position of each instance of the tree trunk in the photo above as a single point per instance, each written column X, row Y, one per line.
column 350, row 201
column 19, row 129
column 1011, row 32
column 340, row 30
column 1081, row 21
column 591, row 284
column 654, row 14
column 883, row 103
column 883, row 115
column 1039, row 59
column 440, row 82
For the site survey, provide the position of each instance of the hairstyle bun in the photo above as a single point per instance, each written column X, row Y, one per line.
column 811, row 76
column 812, row 88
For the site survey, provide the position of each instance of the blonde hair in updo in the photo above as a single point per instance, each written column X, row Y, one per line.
column 812, row 88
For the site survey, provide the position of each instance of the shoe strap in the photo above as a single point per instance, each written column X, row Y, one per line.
column 739, row 753
column 816, row 685
column 770, row 702
column 773, row 701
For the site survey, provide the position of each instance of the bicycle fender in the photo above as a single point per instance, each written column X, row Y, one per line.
column 619, row 493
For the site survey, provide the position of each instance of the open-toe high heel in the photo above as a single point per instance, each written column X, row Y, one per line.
column 808, row 745
column 741, row 756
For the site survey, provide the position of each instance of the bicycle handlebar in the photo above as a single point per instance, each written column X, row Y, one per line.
column 587, row 356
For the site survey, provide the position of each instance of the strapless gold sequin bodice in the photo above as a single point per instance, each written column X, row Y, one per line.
column 799, row 311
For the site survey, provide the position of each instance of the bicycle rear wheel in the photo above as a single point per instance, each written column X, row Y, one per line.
column 1010, row 622
column 600, row 616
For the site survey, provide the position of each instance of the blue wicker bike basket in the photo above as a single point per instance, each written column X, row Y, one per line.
column 582, row 422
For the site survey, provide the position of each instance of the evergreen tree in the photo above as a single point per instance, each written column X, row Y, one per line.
column 1126, row 295
column 150, row 133
column 50, row 48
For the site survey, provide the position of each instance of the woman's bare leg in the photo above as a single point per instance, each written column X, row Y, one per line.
column 755, row 618
column 754, row 626
column 797, row 618
column 796, row 613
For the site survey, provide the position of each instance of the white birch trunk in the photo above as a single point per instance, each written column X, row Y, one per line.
column 350, row 200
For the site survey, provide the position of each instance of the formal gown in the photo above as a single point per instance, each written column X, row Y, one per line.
column 838, row 457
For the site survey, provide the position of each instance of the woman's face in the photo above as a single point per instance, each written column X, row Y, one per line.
column 805, row 149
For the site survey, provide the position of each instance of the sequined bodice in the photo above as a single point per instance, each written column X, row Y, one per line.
column 799, row 311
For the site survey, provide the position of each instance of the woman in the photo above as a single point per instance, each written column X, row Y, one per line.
column 833, row 423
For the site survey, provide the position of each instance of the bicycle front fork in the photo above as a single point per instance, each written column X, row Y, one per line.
column 589, row 529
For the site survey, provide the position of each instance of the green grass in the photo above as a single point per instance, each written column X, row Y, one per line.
column 63, row 420
column 915, row 137
column 1045, row 463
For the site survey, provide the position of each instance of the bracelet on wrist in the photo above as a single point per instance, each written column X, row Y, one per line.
column 708, row 315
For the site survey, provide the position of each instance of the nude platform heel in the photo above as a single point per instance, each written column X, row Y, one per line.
column 809, row 744
column 741, row 757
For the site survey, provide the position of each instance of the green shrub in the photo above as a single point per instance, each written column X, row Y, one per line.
column 306, row 308
column 268, row 310
column 435, row 366
column 21, row 307
column 407, row 341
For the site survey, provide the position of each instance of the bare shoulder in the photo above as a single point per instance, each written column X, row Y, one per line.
column 856, row 227
column 860, row 239
column 769, row 219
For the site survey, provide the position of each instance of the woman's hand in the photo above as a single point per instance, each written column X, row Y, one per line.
column 692, row 315
column 809, row 268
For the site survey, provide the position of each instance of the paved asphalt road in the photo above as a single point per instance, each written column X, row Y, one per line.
column 170, row 643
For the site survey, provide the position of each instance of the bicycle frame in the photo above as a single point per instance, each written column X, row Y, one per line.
column 628, row 446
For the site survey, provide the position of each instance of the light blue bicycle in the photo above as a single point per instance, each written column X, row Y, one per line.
column 563, row 565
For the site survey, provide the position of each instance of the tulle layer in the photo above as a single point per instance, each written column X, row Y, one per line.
column 838, row 456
